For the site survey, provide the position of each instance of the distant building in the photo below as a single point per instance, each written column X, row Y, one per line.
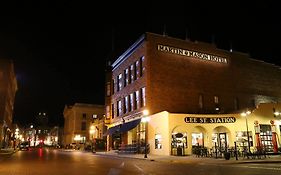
column 161, row 73
column 83, row 123
column 55, row 136
column 8, row 89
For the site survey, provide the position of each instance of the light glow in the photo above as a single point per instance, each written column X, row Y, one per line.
column 145, row 112
column 145, row 119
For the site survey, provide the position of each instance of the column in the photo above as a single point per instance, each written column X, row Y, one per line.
column 257, row 135
column 274, row 139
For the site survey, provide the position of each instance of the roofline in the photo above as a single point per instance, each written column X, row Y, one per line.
column 128, row 52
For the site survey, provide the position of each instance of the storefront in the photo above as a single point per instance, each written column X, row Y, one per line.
column 178, row 134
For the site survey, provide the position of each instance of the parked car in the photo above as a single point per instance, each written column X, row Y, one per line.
column 24, row 146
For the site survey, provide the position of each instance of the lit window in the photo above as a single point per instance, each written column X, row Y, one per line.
column 143, row 97
column 126, row 106
column 126, row 77
column 137, row 99
column 119, row 107
column 132, row 101
column 95, row 116
column 137, row 69
column 132, row 70
column 158, row 141
column 142, row 67
column 119, row 82
column 216, row 99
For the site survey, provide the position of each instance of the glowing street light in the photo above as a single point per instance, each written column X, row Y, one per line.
column 245, row 114
column 92, row 132
column 145, row 119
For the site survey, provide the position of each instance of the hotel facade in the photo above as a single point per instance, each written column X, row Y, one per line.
column 194, row 93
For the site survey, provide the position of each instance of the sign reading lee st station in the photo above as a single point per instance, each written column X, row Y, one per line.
column 210, row 119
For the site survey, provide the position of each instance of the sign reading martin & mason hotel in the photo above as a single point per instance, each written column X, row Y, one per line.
column 189, row 53
column 210, row 119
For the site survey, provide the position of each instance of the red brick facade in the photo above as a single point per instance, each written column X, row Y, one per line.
column 174, row 82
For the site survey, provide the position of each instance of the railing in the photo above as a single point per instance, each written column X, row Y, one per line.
column 133, row 149
column 217, row 152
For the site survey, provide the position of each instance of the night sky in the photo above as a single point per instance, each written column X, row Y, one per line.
column 60, row 49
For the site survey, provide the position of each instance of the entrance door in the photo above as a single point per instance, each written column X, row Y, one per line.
column 222, row 141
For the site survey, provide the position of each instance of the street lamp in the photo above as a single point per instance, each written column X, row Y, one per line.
column 244, row 114
column 92, row 131
column 145, row 119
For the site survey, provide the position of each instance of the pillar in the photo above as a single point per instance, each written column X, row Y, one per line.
column 274, row 138
column 257, row 135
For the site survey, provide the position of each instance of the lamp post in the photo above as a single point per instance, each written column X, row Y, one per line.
column 145, row 119
column 92, row 131
column 245, row 114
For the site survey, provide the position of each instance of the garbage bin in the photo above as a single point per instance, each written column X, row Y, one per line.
column 179, row 151
column 227, row 155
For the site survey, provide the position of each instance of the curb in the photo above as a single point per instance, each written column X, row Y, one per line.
column 222, row 161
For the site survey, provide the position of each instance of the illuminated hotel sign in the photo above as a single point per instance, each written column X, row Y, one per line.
column 209, row 120
column 189, row 53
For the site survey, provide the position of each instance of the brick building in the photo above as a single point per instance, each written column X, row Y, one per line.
column 8, row 89
column 160, row 73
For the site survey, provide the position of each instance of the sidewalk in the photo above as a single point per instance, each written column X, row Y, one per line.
column 7, row 151
column 193, row 158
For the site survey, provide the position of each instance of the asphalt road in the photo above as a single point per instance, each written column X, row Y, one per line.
column 58, row 162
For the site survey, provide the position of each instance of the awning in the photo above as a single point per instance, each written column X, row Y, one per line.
column 112, row 130
column 129, row 125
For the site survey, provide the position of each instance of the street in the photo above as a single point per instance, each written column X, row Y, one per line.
column 59, row 162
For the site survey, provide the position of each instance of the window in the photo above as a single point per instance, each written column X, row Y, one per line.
column 107, row 112
column 126, row 77
column 108, row 88
column 158, row 141
column 83, row 126
column 119, row 108
column 112, row 110
column 132, row 102
column 266, row 137
column 137, row 69
column 132, row 71
column 242, row 138
column 200, row 101
column 113, row 86
column 126, row 106
column 137, row 100
column 95, row 116
column 142, row 67
column 197, row 139
column 216, row 100
column 84, row 116
column 119, row 82
column 143, row 97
